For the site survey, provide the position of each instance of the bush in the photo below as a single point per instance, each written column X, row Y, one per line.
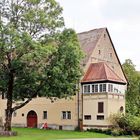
column 128, row 123
column 95, row 130
column 135, row 125
column 108, row 131
column 115, row 132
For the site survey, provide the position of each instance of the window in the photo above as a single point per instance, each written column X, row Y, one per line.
column 100, row 107
column 22, row 114
column 87, row 117
column 121, row 109
column 110, row 88
column 86, row 88
column 92, row 88
column 104, row 87
column 66, row 115
column 96, row 88
column 100, row 117
column 101, row 88
column 44, row 114
column 63, row 114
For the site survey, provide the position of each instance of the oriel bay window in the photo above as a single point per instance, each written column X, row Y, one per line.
column 94, row 88
column 103, row 87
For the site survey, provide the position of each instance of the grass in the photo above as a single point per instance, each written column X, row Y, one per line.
column 37, row 134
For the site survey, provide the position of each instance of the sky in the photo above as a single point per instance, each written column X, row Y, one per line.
column 121, row 17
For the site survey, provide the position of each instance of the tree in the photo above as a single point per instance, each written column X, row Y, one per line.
column 133, row 91
column 37, row 58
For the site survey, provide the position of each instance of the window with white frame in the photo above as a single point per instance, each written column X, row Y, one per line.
column 86, row 88
column 93, row 89
column 96, row 88
column 110, row 88
column 66, row 115
column 102, row 87
column 69, row 115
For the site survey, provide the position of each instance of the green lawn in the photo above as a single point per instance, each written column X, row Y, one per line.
column 37, row 134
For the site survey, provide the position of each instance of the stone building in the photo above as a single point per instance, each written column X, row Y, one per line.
column 102, row 91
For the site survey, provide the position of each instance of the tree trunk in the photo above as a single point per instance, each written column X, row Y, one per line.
column 7, row 125
column 9, row 110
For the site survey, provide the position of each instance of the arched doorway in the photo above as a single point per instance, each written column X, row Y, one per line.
column 32, row 119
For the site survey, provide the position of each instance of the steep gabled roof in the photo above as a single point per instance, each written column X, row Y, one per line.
column 88, row 41
column 98, row 72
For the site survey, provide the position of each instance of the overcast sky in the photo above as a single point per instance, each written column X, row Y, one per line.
column 121, row 17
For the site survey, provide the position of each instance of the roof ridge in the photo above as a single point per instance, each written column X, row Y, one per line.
column 104, row 64
column 92, row 30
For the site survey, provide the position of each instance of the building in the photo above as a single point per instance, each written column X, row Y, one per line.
column 102, row 91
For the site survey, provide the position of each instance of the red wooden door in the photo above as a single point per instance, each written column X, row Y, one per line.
column 32, row 119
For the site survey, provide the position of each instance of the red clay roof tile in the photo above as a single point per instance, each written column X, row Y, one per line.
column 101, row 72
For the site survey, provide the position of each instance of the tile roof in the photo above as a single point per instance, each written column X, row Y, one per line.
column 101, row 72
column 88, row 41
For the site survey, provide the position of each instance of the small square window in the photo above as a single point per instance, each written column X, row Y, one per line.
column 100, row 117
column 87, row 117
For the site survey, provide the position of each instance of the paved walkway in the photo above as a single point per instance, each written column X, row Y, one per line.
column 105, row 139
